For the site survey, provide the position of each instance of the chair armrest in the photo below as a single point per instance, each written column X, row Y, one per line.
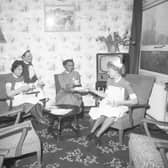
column 15, row 128
column 152, row 121
column 11, row 112
column 33, row 92
column 162, row 144
column 135, row 106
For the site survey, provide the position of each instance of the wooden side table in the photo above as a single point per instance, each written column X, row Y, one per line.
column 69, row 117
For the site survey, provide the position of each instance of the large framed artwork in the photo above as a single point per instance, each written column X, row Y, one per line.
column 60, row 18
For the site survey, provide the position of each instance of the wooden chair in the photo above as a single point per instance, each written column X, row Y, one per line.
column 7, row 115
column 147, row 152
column 18, row 140
column 142, row 85
column 58, row 88
column 68, row 117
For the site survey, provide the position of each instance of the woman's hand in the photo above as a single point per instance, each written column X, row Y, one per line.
column 40, row 84
column 99, row 93
column 25, row 88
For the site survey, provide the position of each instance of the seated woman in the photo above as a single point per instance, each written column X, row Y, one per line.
column 16, row 89
column 118, row 95
column 68, row 80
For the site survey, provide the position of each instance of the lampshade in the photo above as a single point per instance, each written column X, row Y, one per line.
column 2, row 38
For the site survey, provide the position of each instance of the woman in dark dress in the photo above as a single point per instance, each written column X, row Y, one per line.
column 68, row 80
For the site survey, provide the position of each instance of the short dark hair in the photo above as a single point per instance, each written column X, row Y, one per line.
column 66, row 61
column 27, row 51
column 15, row 64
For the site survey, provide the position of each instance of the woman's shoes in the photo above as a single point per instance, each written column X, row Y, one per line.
column 97, row 140
column 90, row 136
column 42, row 121
column 93, row 137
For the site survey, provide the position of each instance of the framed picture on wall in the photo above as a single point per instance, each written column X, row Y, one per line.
column 60, row 18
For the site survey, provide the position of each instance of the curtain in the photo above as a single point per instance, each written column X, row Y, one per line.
column 135, row 40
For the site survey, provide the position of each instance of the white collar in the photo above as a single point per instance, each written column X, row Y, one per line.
column 67, row 72
column 25, row 62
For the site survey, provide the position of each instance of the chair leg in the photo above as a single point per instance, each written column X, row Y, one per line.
column 121, row 132
column 39, row 158
column 59, row 128
column 76, row 122
column 130, row 165
column 1, row 160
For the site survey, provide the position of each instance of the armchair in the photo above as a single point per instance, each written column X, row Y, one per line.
column 149, row 151
column 7, row 114
column 58, row 88
column 142, row 85
column 18, row 140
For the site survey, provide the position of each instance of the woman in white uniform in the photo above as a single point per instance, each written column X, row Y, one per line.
column 118, row 95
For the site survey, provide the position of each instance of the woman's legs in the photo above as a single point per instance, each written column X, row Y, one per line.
column 39, row 109
column 106, row 124
column 97, row 123
column 36, row 111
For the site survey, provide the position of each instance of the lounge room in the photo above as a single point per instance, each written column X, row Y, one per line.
column 58, row 62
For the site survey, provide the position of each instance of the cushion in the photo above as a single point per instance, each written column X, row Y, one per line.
column 143, row 152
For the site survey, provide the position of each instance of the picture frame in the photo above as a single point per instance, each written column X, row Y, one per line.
column 60, row 18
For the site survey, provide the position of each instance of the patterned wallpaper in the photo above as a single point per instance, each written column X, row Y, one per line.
column 22, row 23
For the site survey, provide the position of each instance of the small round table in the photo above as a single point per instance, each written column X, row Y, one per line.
column 68, row 117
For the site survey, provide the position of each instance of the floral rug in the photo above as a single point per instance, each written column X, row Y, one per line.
column 76, row 152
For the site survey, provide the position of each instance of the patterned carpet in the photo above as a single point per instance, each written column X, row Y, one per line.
column 76, row 152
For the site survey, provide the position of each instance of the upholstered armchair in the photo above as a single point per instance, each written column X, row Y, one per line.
column 149, row 151
column 142, row 85
column 58, row 88
column 18, row 140
column 6, row 113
